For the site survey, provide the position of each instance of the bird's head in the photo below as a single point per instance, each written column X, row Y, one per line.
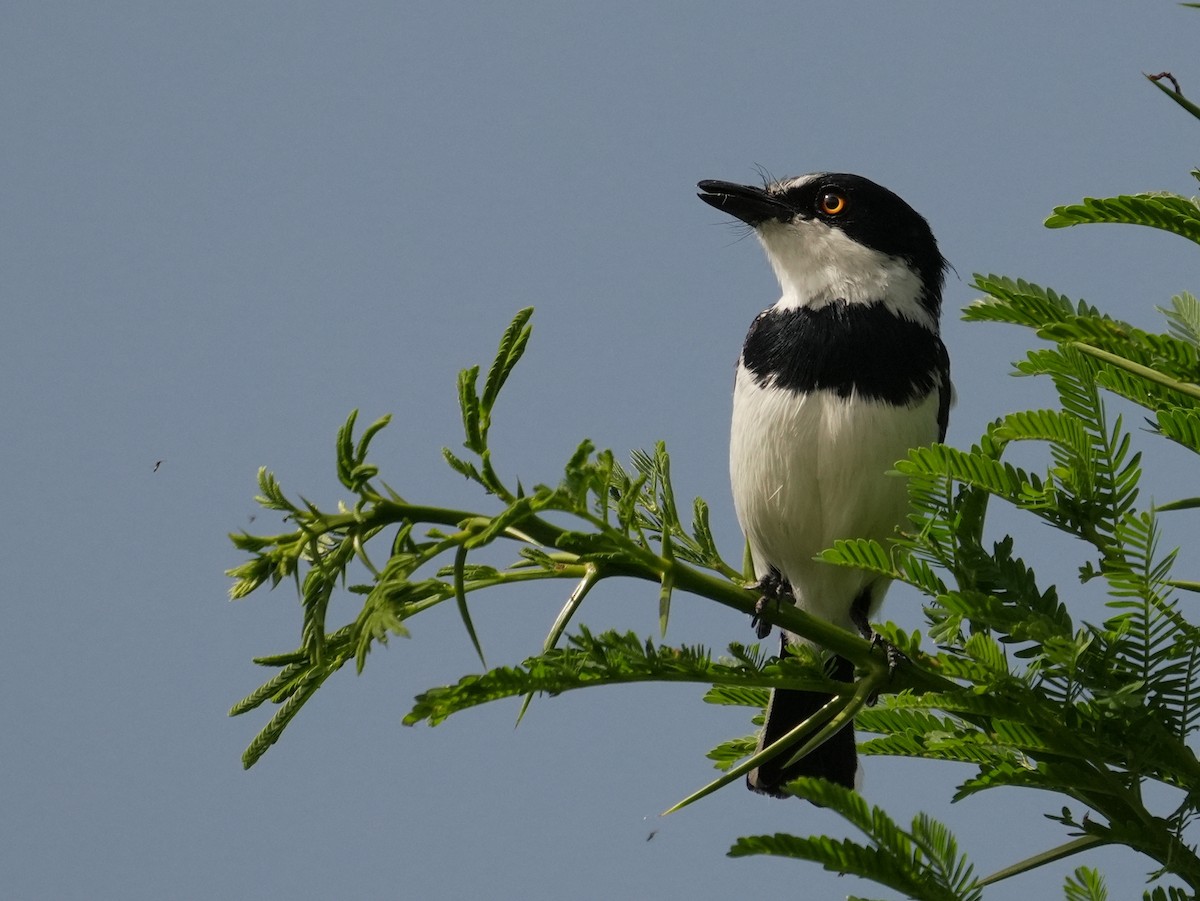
column 837, row 237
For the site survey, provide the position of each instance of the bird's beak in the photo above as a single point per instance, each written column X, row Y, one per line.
column 751, row 204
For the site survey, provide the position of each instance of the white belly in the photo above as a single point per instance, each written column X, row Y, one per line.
column 808, row 470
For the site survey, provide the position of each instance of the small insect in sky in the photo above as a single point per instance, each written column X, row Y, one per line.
column 1169, row 77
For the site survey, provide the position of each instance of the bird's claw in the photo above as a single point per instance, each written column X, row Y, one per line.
column 894, row 657
column 762, row 628
column 775, row 589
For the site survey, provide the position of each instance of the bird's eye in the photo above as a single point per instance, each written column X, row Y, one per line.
column 831, row 203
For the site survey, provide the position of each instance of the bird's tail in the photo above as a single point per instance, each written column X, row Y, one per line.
column 836, row 760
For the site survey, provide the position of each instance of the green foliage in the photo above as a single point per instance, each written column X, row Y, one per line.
column 610, row 659
column 1023, row 681
column 1085, row 884
column 922, row 862
column 628, row 524
column 1173, row 893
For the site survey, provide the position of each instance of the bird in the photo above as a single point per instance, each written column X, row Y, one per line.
column 836, row 381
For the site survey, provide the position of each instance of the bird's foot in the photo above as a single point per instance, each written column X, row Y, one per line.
column 894, row 654
column 894, row 658
column 775, row 589
column 858, row 616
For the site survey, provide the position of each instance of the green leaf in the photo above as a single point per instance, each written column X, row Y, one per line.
column 353, row 472
column 468, row 402
column 977, row 469
column 1184, row 318
column 462, row 466
column 1019, row 302
column 728, row 753
column 1169, row 212
column 1174, row 892
column 986, row 650
column 1181, row 425
column 609, row 658
column 1085, row 884
column 861, row 554
column 271, row 732
column 737, row 696
column 512, row 348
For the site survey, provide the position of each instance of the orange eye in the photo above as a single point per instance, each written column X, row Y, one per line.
column 831, row 203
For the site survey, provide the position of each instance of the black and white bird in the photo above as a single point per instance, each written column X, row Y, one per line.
column 835, row 383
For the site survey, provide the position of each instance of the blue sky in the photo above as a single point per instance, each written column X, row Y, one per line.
column 228, row 224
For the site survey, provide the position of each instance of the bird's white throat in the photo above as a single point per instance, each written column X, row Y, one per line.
column 817, row 264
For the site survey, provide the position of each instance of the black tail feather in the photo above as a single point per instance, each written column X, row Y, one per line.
column 836, row 760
